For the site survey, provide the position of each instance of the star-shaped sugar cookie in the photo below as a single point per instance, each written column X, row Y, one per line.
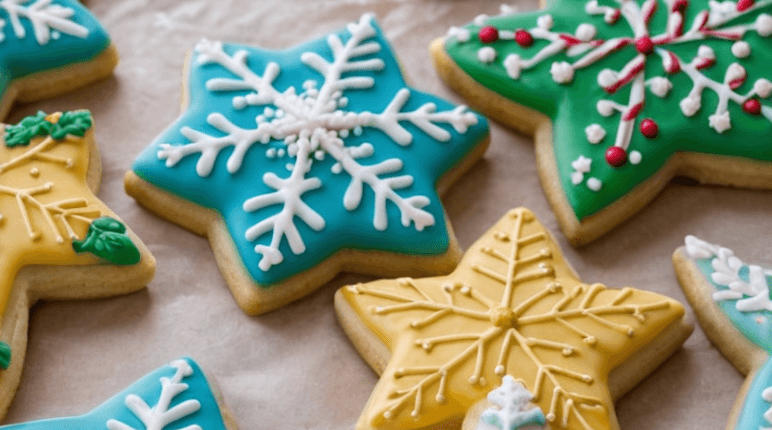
column 622, row 95
column 512, row 307
column 49, row 47
column 300, row 163
column 57, row 240
column 178, row 395
column 732, row 302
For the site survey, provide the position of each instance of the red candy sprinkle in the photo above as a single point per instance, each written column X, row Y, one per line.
column 616, row 156
column 649, row 128
column 743, row 5
column 644, row 45
column 752, row 106
column 523, row 38
column 488, row 34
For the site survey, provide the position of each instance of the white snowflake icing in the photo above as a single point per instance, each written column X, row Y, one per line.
column 581, row 166
column 48, row 20
column 313, row 126
column 751, row 295
column 162, row 415
column 766, row 395
column 585, row 47
column 595, row 133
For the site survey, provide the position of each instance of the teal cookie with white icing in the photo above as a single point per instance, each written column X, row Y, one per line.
column 732, row 302
column 300, row 163
column 49, row 47
column 622, row 95
column 176, row 396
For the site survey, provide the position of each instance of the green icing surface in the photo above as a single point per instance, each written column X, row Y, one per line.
column 5, row 355
column 572, row 106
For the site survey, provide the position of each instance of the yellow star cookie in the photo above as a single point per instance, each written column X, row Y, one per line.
column 57, row 240
column 512, row 307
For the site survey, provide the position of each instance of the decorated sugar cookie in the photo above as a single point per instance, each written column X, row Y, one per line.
column 733, row 305
column 49, row 47
column 300, row 163
column 512, row 307
column 58, row 240
column 622, row 95
column 176, row 396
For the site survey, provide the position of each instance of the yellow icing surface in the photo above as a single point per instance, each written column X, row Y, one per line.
column 45, row 203
column 513, row 306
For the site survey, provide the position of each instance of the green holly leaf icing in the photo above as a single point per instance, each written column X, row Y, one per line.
column 107, row 239
column 5, row 355
column 28, row 128
column 75, row 123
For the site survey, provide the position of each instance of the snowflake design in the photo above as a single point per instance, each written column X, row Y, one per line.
column 751, row 295
column 302, row 128
column 48, row 20
column 512, row 307
column 160, row 416
column 513, row 408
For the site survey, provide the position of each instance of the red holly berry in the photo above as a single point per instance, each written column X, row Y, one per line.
column 649, row 128
column 743, row 5
column 488, row 34
column 523, row 38
column 752, row 106
column 644, row 45
column 616, row 156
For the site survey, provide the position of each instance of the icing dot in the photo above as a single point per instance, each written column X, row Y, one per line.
column 735, row 75
column 358, row 130
column 743, row 5
column 562, row 72
column 488, row 34
column 270, row 152
column 486, row 54
column 644, row 45
column 752, row 106
column 616, row 156
column 268, row 112
column 461, row 34
column 660, row 86
column 762, row 87
column 690, row 105
column 605, row 107
column 764, row 25
column 594, row 184
column 607, row 78
column 336, row 168
column 720, row 122
column 55, row 35
column 585, row 32
column 34, row 172
column 280, row 152
column 319, row 155
column 545, row 22
column 523, row 38
column 343, row 133
column 239, row 102
column 741, row 49
column 480, row 19
column 649, row 128
column 635, row 157
column 577, row 178
column 706, row 51
column 343, row 102
column 595, row 133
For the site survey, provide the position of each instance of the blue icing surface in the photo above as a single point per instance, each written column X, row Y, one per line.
column 757, row 325
column 425, row 159
column 23, row 56
column 752, row 415
column 148, row 389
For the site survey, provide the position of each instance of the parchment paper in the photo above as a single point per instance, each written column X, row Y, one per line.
column 294, row 368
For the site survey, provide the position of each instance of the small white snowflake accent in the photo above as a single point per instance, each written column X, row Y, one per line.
column 313, row 126
column 594, row 184
column 741, row 49
column 595, row 133
column 635, row 157
column 48, row 20
column 513, row 409
column 161, row 415
column 752, row 295
column 581, row 166
column 486, row 54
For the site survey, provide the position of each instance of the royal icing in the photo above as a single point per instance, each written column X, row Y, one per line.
column 176, row 396
column 513, row 408
column 48, row 214
column 742, row 293
column 512, row 307
column 42, row 30
column 664, row 75
column 312, row 150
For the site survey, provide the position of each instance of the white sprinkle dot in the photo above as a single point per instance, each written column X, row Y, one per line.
column 594, row 184
column 635, row 157
column 741, row 49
